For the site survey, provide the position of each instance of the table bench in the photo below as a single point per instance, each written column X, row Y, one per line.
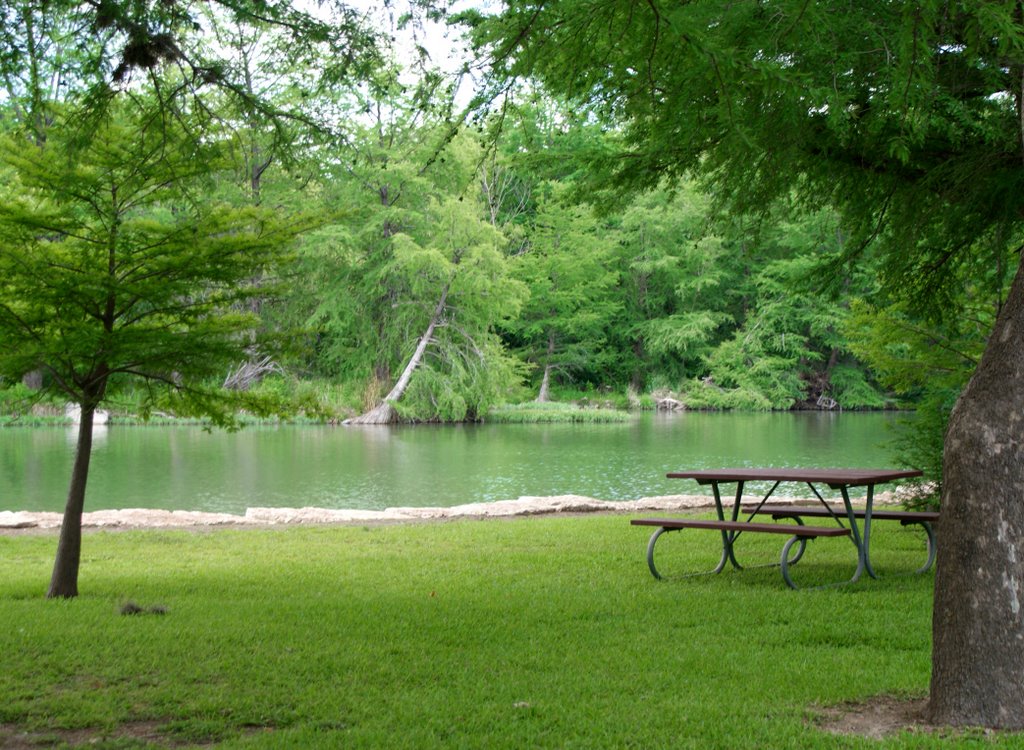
column 733, row 529
column 922, row 518
column 836, row 479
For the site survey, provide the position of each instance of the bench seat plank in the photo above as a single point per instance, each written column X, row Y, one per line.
column 770, row 528
column 906, row 516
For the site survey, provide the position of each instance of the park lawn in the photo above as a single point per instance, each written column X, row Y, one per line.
column 539, row 633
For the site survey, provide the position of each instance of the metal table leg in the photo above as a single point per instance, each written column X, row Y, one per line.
column 868, row 509
column 728, row 537
column 855, row 535
column 785, row 562
column 930, row 542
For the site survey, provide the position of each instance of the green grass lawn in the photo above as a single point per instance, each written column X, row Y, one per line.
column 548, row 632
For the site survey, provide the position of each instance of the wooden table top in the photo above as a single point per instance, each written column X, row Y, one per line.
column 834, row 478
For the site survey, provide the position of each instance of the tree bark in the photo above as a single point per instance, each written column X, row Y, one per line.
column 545, row 384
column 544, row 395
column 64, row 581
column 33, row 380
column 978, row 622
column 639, row 378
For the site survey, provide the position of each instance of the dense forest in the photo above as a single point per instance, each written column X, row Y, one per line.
column 411, row 257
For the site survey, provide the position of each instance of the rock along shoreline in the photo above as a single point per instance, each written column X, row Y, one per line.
column 145, row 518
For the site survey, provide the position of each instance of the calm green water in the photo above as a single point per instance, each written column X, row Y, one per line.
column 185, row 468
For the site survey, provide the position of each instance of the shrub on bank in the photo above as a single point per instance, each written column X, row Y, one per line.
column 533, row 412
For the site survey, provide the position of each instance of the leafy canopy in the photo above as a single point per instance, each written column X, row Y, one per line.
column 115, row 263
column 904, row 116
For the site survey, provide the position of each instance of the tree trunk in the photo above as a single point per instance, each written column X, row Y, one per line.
column 978, row 622
column 545, row 386
column 64, row 582
column 33, row 380
column 639, row 379
column 384, row 413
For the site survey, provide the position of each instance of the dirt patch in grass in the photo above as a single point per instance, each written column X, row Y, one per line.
column 139, row 734
column 877, row 719
column 14, row 737
column 886, row 715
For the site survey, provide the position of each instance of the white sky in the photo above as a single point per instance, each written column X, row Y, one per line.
column 443, row 45
column 447, row 51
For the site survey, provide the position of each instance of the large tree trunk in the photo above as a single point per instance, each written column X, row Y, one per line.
column 64, row 582
column 978, row 622
column 384, row 413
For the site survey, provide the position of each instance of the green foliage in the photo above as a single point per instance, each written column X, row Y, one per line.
column 456, row 277
column 315, row 400
column 413, row 253
column 766, row 102
column 537, row 412
column 591, row 397
column 21, row 406
column 17, row 400
column 113, row 267
column 688, row 282
column 929, row 362
column 905, row 122
column 752, row 377
column 853, row 391
column 658, row 289
column 455, row 385
column 566, row 268
column 676, row 278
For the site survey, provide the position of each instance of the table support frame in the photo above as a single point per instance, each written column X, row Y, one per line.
column 859, row 535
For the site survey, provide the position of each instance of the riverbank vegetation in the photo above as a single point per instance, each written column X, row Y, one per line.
column 440, row 271
column 546, row 632
column 660, row 298
column 554, row 412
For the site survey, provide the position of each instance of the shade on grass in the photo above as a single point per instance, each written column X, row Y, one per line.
column 547, row 632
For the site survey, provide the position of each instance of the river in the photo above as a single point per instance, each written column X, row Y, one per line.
column 187, row 468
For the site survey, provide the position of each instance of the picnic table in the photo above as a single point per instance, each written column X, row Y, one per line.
column 845, row 518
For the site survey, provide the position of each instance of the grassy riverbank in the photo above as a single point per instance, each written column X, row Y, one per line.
column 311, row 402
column 534, row 413
column 546, row 632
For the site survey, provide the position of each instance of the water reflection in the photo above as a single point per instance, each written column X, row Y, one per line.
column 99, row 437
column 375, row 467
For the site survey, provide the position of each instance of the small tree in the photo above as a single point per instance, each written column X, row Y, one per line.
column 114, row 265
